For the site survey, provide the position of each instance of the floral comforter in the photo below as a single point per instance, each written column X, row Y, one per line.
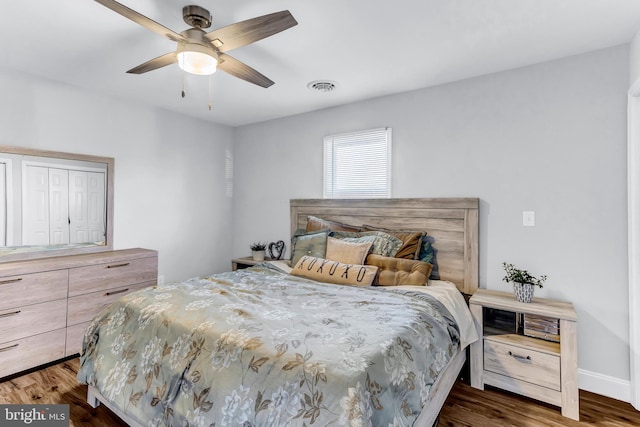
column 257, row 347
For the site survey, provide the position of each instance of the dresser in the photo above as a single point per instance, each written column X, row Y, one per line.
column 46, row 304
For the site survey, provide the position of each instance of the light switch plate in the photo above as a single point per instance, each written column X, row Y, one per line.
column 529, row 218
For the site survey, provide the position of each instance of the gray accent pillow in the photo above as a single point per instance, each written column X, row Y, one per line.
column 310, row 244
column 382, row 243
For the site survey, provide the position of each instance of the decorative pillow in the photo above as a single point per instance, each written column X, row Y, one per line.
column 314, row 244
column 398, row 271
column 430, row 255
column 328, row 271
column 411, row 241
column 347, row 252
column 426, row 251
column 314, row 223
column 381, row 243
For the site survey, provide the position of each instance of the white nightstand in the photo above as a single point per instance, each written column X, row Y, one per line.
column 542, row 370
column 245, row 262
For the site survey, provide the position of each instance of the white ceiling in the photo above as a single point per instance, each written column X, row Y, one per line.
column 369, row 47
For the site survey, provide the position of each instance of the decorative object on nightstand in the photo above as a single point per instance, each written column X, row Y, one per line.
column 543, row 327
column 523, row 282
column 276, row 249
column 520, row 362
column 258, row 250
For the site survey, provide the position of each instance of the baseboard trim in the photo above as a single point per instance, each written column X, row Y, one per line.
column 605, row 385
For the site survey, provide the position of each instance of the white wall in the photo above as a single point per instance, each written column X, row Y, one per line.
column 170, row 188
column 634, row 59
column 549, row 138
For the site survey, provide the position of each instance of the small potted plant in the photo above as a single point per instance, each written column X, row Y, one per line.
column 523, row 282
column 258, row 250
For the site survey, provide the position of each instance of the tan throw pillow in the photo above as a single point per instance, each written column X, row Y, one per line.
column 411, row 241
column 398, row 271
column 328, row 271
column 347, row 252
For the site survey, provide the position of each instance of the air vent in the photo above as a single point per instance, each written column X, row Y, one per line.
column 322, row 86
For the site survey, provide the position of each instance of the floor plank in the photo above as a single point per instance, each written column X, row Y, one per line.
column 465, row 406
column 58, row 384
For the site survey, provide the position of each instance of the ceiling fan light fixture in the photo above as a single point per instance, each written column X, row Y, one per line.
column 197, row 59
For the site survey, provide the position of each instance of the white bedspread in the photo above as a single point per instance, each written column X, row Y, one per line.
column 450, row 296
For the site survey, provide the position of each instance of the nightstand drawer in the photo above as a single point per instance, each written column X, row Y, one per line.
column 522, row 363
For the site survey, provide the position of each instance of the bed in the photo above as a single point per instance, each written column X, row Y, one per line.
column 262, row 347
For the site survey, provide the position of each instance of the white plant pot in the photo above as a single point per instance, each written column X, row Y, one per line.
column 523, row 291
column 257, row 255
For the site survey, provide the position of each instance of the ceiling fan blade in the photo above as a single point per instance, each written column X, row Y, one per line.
column 141, row 19
column 249, row 31
column 155, row 63
column 241, row 70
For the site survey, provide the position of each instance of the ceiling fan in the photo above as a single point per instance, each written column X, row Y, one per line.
column 199, row 52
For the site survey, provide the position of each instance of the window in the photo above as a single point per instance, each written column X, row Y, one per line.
column 358, row 164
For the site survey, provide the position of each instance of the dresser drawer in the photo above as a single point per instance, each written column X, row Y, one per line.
column 522, row 363
column 32, row 288
column 16, row 356
column 83, row 308
column 83, row 280
column 21, row 322
column 75, row 334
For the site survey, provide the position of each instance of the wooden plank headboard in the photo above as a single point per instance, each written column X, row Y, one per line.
column 451, row 223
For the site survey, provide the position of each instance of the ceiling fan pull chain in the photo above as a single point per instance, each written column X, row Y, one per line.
column 209, row 93
column 183, row 72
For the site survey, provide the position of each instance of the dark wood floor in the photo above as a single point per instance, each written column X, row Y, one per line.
column 464, row 407
column 467, row 406
column 58, row 384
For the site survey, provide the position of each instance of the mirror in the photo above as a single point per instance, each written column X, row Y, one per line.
column 54, row 203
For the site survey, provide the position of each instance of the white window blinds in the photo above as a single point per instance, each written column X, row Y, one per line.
column 358, row 164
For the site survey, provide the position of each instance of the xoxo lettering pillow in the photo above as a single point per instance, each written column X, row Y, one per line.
column 328, row 271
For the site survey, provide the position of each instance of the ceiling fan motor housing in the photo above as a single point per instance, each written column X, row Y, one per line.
column 196, row 16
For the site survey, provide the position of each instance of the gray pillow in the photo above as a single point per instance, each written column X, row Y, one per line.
column 311, row 244
column 382, row 243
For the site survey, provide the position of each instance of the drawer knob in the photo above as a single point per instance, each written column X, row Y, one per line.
column 520, row 357
column 9, row 347
column 124, row 264
column 9, row 314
